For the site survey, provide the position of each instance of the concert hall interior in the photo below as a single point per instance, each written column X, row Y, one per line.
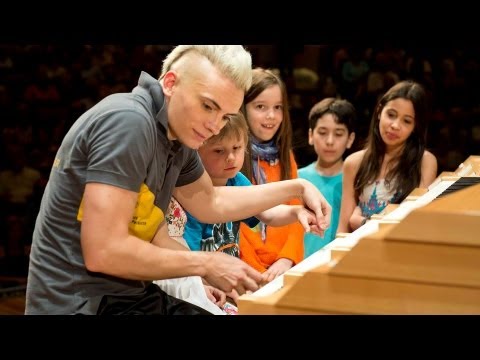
column 418, row 257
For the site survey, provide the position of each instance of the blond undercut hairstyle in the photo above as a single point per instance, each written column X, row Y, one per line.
column 233, row 61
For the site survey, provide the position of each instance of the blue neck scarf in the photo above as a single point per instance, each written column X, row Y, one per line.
column 267, row 152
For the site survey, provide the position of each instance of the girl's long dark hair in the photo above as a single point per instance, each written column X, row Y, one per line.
column 406, row 168
column 263, row 79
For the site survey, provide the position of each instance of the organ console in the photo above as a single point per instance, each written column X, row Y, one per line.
column 419, row 257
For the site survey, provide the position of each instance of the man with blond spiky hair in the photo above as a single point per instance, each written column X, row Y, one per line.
column 100, row 234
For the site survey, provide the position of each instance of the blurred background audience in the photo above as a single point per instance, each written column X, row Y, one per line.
column 44, row 88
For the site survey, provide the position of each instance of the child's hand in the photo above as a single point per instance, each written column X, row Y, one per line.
column 277, row 269
column 309, row 221
column 218, row 297
column 314, row 201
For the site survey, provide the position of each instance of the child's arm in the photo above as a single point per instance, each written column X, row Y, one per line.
column 276, row 269
column 162, row 239
column 349, row 202
column 289, row 255
column 357, row 219
column 281, row 215
column 429, row 169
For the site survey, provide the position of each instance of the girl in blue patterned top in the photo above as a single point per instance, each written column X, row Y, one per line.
column 394, row 160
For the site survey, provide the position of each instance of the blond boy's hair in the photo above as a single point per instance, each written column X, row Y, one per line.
column 236, row 127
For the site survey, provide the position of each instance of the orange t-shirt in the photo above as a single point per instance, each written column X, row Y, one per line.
column 282, row 241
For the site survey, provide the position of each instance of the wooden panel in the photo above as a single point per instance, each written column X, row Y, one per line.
column 373, row 257
column 470, row 167
column 416, row 193
column 323, row 293
column 251, row 305
column 339, row 252
column 426, row 261
column 391, row 207
column 453, row 219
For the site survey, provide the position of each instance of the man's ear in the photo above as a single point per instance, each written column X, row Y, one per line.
column 169, row 81
column 310, row 137
column 351, row 139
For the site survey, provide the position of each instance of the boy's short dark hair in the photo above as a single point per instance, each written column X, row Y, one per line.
column 343, row 111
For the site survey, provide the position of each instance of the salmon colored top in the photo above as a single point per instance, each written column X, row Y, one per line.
column 281, row 242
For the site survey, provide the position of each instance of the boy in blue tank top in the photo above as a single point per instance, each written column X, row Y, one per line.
column 331, row 125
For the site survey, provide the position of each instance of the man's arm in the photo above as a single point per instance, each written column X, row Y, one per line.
column 109, row 248
column 219, row 204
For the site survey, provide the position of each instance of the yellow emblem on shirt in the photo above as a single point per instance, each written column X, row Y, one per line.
column 146, row 217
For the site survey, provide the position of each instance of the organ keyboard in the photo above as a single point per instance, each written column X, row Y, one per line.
column 419, row 257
